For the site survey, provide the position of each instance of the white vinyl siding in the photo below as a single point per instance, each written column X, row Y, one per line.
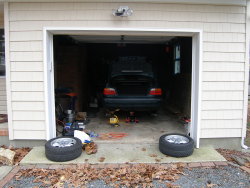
column 28, row 106
column 29, row 46
column 31, row 134
column 223, row 55
column 28, row 125
column 222, row 86
column 220, row 133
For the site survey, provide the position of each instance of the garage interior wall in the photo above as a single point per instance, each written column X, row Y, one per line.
column 71, row 70
column 223, row 56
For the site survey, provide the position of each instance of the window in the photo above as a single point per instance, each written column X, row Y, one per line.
column 2, row 53
column 177, row 59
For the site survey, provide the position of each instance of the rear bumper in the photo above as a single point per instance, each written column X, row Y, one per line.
column 132, row 103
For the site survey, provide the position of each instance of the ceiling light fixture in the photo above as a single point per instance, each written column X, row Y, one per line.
column 123, row 11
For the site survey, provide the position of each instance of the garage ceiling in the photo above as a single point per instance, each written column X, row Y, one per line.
column 122, row 38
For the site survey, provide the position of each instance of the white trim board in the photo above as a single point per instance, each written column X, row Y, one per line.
column 246, row 84
column 208, row 2
column 7, row 69
column 49, row 85
column 196, row 67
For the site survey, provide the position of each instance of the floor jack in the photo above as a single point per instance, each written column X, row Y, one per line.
column 114, row 120
column 132, row 118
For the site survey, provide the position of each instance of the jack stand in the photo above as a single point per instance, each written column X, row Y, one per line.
column 132, row 118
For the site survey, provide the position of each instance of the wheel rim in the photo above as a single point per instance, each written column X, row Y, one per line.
column 176, row 139
column 63, row 142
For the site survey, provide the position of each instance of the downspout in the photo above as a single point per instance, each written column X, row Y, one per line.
column 245, row 113
column 243, row 143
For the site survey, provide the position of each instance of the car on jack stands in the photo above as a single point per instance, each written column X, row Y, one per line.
column 132, row 86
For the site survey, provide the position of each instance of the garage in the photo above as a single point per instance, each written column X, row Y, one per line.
column 82, row 67
column 219, row 59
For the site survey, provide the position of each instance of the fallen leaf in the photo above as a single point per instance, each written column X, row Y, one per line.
column 153, row 155
column 91, row 148
column 101, row 159
column 157, row 160
column 211, row 185
column 247, row 165
column 181, row 165
column 169, row 185
column 136, row 175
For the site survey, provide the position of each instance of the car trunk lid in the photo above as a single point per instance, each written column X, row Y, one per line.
column 132, row 85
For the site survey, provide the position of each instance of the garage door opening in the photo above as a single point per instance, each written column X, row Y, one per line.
column 83, row 67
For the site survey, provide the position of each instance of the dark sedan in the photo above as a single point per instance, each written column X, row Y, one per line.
column 132, row 87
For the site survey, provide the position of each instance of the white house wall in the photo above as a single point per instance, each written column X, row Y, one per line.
column 223, row 56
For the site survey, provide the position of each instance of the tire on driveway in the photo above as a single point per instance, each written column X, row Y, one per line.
column 62, row 149
column 176, row 145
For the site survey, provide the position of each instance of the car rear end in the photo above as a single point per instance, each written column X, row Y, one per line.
column 133, row 91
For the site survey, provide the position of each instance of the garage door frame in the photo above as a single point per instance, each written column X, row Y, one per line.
column 196, row 90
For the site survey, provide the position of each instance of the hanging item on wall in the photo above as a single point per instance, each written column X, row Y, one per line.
column 167, row 48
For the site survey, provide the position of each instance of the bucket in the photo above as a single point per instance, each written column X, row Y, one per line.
column 70, row 116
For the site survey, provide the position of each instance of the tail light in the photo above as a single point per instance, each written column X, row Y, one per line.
column 155, row 91
column 109, row 91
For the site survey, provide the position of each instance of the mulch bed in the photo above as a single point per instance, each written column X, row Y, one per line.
column 228, row 154
column 20, row 153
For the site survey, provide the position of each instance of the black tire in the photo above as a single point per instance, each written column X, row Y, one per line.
column 63, row 158
column 175, row 149
column 61, row 154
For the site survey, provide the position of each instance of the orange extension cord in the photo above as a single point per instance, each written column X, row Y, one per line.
column 112, row 136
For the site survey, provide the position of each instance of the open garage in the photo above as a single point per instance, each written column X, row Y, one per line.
column 83, row 68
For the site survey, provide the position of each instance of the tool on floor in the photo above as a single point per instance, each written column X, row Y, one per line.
column 73, row 97
column 113, row 119
column 187, row 124
column 71, row 127
column 132, row 118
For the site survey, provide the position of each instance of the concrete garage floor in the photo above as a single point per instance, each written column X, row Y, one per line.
column 126, row 153
column 139, row 146
column 148, row 130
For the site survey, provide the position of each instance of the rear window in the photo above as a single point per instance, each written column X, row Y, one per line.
column 131, row 65
column 131, row 78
